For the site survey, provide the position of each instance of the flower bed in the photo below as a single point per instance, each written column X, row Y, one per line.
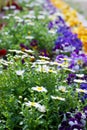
column 43, row 68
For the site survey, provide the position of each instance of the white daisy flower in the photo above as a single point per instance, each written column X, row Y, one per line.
column 41, row 17
column 52, row 31
column 16, row 51
column 5, row 17
column 52, row 71
column 44, row 57
column 27, row 20
column 42, row 62
column 29, row 37
column 30, row 104
column 20, row 20
column 80, row 75
column 6, row 8
column 40, row 107
column 79, row 81
column 62, row 88
column 16, row 17
column 12, row 7
column 39, row 89
column 43, row 68
column 81, row 90
column 20, row 72
column 29, row 51
column 58, row 98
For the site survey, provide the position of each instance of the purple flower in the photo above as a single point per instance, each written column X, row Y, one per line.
column 60, row 58
column 71, row 78
column 65, row 35
column 85, row 111
column 50, row 25
column 23, row 61
column 78, row 61
column 83, row 86
column 33, row 44
column 64, row 126
column 44, row 53
column 77, row 127
column 23, row 47
column 78, row 116
column 49, row 7
column 75, row 120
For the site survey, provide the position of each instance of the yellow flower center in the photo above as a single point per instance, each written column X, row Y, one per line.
column 80, row 62
column 39, row 88
column 33, row 103
column 29, row 33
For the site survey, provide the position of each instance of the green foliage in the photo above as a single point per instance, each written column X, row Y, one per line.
column 16, row 90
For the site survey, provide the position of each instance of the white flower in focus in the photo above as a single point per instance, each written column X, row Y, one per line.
column 40, row 107
column 58, row 98
column 62, row 88
column 39, row 89
column 30, row 104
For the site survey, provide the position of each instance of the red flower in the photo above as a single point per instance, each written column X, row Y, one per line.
column 2, row 25
column 3, row 52
column 14, row 4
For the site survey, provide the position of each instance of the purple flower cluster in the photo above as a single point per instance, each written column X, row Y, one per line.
column 84, row 95
column 78, row 61
column 66, row 41
column 60, row 58
column 49, row 7
column 72, row 76
column 74, row 120
column 56, row 23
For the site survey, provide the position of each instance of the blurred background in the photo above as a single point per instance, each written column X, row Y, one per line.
column 79, row 5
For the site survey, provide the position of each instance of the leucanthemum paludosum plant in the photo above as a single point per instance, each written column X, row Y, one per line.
column 41, row 104
column 37, row 93
column 33, row 32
